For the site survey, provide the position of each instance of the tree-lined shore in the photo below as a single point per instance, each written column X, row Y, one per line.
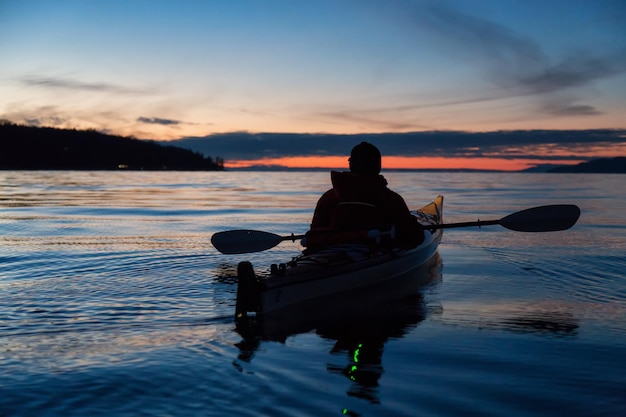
column 45, row 148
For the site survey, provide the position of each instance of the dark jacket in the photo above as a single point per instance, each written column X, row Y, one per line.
column 358, row 202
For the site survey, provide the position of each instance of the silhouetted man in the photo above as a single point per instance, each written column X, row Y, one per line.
column 360, row 200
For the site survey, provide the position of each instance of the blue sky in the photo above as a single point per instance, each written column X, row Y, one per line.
column 170, row 69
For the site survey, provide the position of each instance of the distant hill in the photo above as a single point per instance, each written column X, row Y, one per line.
column 600, row 166
column 44, row 148
column 541, row 168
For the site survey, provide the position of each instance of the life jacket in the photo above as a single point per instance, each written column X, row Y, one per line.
column 355, row 215
column 356, row 206
column 356, row 222
column 321, row 238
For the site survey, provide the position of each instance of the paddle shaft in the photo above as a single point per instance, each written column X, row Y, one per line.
column 292, row 237
column 478, row 223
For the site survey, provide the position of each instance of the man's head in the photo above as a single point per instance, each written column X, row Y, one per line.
column 365, row 159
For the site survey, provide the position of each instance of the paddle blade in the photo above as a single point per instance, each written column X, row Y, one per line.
column 542, row 219
column 244, row 241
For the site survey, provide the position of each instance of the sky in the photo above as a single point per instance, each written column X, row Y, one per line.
column 173, row 69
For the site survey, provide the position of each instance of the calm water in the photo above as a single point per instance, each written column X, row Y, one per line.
column 113, row 302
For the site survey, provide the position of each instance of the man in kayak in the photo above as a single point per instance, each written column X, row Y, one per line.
column 360, row 201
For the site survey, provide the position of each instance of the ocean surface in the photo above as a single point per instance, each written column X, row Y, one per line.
column 114, row 303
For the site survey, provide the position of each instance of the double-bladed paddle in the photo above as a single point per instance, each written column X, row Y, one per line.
column 246, row 241
column 537, row 219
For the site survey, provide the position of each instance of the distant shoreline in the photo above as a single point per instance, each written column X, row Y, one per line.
column 50, row 149
column 46, row 148
column 596, row 166
column 384, row 170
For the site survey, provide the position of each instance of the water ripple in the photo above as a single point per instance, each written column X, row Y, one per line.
column 113, row 302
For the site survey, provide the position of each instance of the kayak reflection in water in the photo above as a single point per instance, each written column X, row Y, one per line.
column 364, row 343
column 360, row 201
column 359, row 328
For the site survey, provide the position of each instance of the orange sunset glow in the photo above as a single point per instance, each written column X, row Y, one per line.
column 398, row 162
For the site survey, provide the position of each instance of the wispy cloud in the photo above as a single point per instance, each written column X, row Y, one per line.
column 159, row 121
column 46, row 121
column 69, row 84
column 514, row 62
column 371, row 118
column 482, row 41
column 48, row 115
column 569, row 73
column 518, row 63
column 572, row 110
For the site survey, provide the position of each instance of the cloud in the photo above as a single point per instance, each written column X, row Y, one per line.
column 515, row 62
column 572, row 72
column 38, row 116
column 575, row 110
column 46, row 121
column 158, row 121
column 535, row 144
column 483, row 39
column 68, row 84
column 516, row 59
column 372, row 118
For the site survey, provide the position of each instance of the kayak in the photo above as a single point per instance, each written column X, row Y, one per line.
column 387, row 308
column 334, row 271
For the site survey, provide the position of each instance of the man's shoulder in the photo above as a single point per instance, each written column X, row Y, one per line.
column 328, row 197
column 389, row 192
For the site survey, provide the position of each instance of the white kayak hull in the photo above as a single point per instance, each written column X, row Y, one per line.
column 317, row 277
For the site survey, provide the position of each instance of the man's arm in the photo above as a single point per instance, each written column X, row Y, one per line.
column 323, row 209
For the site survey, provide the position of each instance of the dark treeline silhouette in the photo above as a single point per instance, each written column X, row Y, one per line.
column 45, row 148
column 597, row 166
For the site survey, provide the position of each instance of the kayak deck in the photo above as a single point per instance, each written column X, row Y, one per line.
column 336, row 269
